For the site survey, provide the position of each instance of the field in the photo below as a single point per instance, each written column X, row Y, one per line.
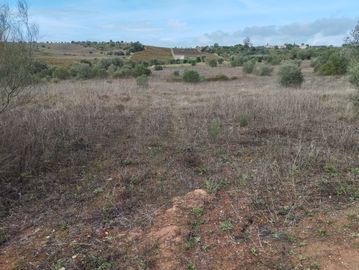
column 237, row 174
column 150, row 53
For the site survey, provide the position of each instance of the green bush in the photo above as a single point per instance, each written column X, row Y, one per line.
column 142, row 81
column 191, row 76
column 331, row 62
column 123, row 72
column 212, row 63
column 220, row 61
column 61, row 73
column 82, row 71
column 274, row 59
column 220, row 77
column 158, row 67
column 264, row 71
column 354, row 75
column 238, row 61
column 141, row 70
column 248, row 66
column 290, row 75
column 337, row 64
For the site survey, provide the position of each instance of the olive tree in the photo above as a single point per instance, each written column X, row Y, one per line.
column 17, row 43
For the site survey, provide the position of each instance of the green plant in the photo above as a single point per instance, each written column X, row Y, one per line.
column 337, row 64
column 216, row 78
column 291, row 75
column 191, row 76
column 197, row 212
column 226, row 225
column 248, row 66
column 3, row 237
column 274, row 59
column 213, row 186
column 82, row 71
column 213, row 62
column 215, row 130
column 264, row 71
column 354, row 76
column 158, row 67
column 192, row 241
column 142, row 81
column 58, row 265
column 61, row 73
column 243, row 120
column 191, row 266
column 253, row 251
column 315, row 265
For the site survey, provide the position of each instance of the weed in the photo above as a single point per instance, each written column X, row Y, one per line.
column 205, row 248
column 226, row 225
column 58, row 265
column 197, row 212
column 192, row 241
column 142, row 81
column 191, row 266
column 315, row 265
column 253, row 251
column 213, row 186
column 3, row 237
column 244, row 120
column 323, row 233
column 215, row 130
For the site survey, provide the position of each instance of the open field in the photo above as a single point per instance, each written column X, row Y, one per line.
column 239, row 174
column 150, row 53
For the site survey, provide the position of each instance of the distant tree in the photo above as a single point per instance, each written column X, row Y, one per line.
column 17, row 44
column 247, row 42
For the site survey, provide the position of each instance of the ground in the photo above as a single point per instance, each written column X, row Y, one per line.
column 239, row 174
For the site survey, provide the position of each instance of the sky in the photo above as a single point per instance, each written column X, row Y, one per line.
column 188, row 23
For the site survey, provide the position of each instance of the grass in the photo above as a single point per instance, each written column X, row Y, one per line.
column 91, row 157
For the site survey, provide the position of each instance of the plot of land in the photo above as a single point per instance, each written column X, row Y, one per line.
column 238, row 174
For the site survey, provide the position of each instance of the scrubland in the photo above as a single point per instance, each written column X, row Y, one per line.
column 89, row 171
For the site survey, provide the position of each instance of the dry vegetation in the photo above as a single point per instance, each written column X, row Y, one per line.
column 150, row 53
column 88, row 169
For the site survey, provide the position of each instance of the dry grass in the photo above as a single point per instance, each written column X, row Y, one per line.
column 295, row 156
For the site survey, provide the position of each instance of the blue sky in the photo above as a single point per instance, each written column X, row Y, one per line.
column 185, row 23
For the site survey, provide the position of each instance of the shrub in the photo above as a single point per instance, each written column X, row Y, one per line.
column 243, row 120
column 176, row 73
column 290, row 75
column 220, row 77
column 61, row 73
column 354, row 75
column 274, row 59
column 82, row 71
column 248, row 66
column 220, row 61
column 336, row 65
column 264, row 71
column 212, row 63
column 191, row 76
column 158, row 67
column 123, row 72
column 142, row 81
column 238, row 61
column 141, row 70
column 331, row 63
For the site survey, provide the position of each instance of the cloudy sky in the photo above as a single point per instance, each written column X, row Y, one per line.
column 185, row 23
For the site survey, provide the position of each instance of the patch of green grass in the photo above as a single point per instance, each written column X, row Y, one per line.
column 192, row 242
column 191, row 266
column 244, row 120
column 58, row 265
column 197, row 212
column 3, row 237
column 215, row 130
column 213, row 186
column 253, row 251
column 323, row 233
column 226, row 225
column 315, row 265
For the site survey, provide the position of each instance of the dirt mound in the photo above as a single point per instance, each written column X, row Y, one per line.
column 169, row 231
